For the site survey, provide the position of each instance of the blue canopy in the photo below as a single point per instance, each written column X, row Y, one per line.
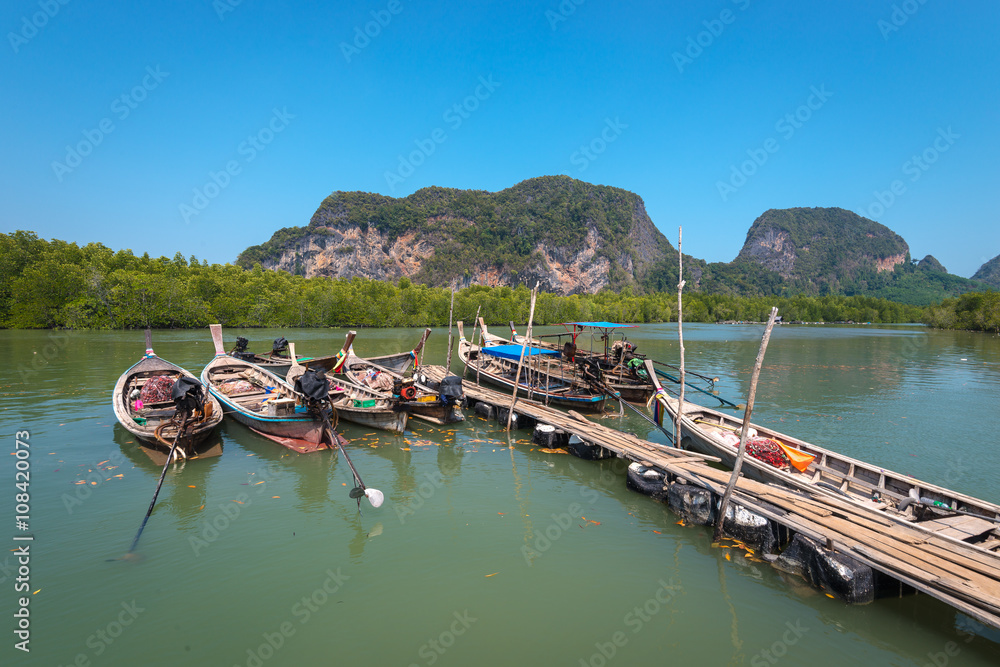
column 513, row 352
column 603, row 325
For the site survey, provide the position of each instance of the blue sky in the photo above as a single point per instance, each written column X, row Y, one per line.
column 203, row 127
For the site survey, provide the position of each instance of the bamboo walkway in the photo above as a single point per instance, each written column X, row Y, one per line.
column 966, row 578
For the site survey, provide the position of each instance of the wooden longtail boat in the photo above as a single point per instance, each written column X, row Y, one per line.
column 543, row 378
column 398, row 363
column 354, row 402
column 629, row 381
column 369, row 408
column 622, row 368
column 258, row 398
column 441, row 405
column 803, row 465
column 275, row 361
column 155, row 423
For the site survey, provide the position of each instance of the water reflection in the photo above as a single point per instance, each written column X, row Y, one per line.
column 185, row 487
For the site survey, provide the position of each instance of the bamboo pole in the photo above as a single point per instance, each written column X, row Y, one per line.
column 520, row 362
column 680, row 336
column 451, row 313
column 746, row 426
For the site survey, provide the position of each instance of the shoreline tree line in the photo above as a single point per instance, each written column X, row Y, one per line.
column 55, row 284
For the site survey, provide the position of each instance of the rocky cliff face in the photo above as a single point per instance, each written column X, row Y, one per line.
column 570, row 236
column 351, row 251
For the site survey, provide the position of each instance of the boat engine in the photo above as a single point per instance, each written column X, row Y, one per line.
column 622, row 350
column 188, row 395
column 279, row 347
column 314, row 387
column 591, row 369
column 240, row 351
column 450, row 390
column 404, row 389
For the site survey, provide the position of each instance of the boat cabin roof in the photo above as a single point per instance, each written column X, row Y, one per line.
column 600, row 325
column 513, row 352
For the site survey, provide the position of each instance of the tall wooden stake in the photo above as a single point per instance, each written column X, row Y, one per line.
column 479, row 354
column 680, row 336
column 451, row 312
column 520, row 362
column 746, row 426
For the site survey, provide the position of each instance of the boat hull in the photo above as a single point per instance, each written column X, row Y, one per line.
column 300, row 426
column 386, row 420
column 434, row 412
column 633, row 393
column 307, row 429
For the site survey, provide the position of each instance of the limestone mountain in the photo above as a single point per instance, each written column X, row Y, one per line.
column 571, row 236
column 822, row 245
column 832, row 251
column 931, row 263
column 989, row 273
column 574, row 237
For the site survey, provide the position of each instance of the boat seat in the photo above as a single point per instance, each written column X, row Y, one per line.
column 240, row 398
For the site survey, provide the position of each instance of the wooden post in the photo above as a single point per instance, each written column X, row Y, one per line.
column 451, row 312
column 548, row 379
column 517, row 376
column 479, row 353
column 680, row 337
column 746, row 426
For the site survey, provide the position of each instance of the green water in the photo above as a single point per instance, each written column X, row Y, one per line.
column 440, row 574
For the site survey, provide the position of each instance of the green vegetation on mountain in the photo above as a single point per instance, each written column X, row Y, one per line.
column 818, row 252
column 989, row 273
column 930, row 263
column 817, row 244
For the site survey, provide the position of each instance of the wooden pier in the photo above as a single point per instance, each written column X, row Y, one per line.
column 966, row 578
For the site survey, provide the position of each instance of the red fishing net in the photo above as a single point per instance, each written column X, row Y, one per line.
column 768, row 451
column 157, row 389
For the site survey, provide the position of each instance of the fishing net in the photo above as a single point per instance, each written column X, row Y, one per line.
column 762, row 449
column 374, row 378
column 768, row 451
column 157, row 389
column 235, row 387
